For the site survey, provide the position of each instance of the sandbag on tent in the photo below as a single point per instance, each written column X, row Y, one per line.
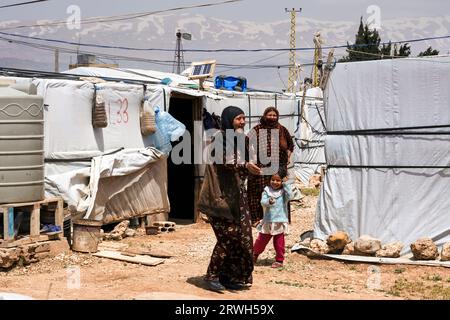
column 388, row 182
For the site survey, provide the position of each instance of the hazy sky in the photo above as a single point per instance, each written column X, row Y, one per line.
column 253, row 10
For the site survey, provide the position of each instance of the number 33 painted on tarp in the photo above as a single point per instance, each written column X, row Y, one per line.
column 121, row 116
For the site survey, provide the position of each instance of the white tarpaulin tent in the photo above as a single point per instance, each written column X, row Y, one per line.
column 382, row 180
column 107, row 174
column 112, row 173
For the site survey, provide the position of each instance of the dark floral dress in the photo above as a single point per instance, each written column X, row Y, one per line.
column 232, row 257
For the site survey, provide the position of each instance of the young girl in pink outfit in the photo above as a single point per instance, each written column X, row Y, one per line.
column 275, row 221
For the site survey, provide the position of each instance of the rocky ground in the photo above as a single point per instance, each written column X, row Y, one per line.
column 180, row 277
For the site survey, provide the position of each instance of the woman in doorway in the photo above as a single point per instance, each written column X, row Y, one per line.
column 261, row 138
column 223, row 199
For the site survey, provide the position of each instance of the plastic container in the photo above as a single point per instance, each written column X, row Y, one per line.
column 21, row 146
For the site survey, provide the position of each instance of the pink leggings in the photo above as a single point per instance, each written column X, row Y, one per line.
column 278, row 243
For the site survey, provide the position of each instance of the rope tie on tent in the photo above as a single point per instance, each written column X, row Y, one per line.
column 99, row 119
column 83, row 159
column 320, row 116
column 386, row 167
column 393, row 131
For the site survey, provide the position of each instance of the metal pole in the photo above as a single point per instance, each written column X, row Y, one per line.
column 178, row 52
column 292, row 67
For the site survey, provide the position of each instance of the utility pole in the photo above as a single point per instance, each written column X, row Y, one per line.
column 57, row 60
column 292, row 66
column 178, row 61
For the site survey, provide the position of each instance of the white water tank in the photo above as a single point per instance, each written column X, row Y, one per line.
column 21, row 146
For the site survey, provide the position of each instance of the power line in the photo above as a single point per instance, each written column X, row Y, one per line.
column 213, row 50
column 21, row 3
column 123, row 17
column 151, row 61
column 252, row 63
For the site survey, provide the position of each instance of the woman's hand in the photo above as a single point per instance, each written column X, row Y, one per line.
column 253, row 168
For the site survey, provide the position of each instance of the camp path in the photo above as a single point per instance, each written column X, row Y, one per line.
column 180, row 277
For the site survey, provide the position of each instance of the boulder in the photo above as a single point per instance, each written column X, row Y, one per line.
column 118, row 232
column 319, row 246
column 130, row 232
column 391, row 250
column 337, row 241
column 445, row 253
column 424, row 249
column 349, row 248
column 367, row 245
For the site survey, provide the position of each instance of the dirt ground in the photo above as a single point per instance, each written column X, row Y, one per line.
column 180, row 277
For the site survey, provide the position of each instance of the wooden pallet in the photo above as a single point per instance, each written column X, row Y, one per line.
column 35, row 222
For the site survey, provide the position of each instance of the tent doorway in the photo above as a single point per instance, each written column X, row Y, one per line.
column 181, row 178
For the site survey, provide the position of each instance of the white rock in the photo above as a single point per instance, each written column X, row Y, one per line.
column 130, row 232
column 349, row 248
column 445, row 253
column 367, row 245
column 391, row 250
column 319, row 246
column 424, row 249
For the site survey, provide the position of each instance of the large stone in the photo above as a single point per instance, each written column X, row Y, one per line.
column 319, row 246
column 424, row 249
column 391, row 250
column 337, row 241
column 8, row 257
column 130, row 232
column 367, row 245
column 445, row 253
column 118, row 232
column 349, row 248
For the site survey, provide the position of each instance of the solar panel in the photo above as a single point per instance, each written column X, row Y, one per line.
column 202, row 69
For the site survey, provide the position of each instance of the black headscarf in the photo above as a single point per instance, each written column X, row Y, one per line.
column 228, row 115
column 230, row 146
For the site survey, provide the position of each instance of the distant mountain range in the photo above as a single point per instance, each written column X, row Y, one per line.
column 211, row 33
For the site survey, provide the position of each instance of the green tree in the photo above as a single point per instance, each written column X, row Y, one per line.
column 386, row 49
column 429, row 52
column 404, row 51
column 367, row 46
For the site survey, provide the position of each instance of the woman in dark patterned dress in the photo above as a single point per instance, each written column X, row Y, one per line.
column 231, row 264
column 262, row 133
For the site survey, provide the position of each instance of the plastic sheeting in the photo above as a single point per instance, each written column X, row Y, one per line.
column 127, row 185
column 379, row 183
column 113, row 187
column 68, row 128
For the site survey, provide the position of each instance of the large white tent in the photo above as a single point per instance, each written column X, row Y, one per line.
column 388, row 151
column 113, row 173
